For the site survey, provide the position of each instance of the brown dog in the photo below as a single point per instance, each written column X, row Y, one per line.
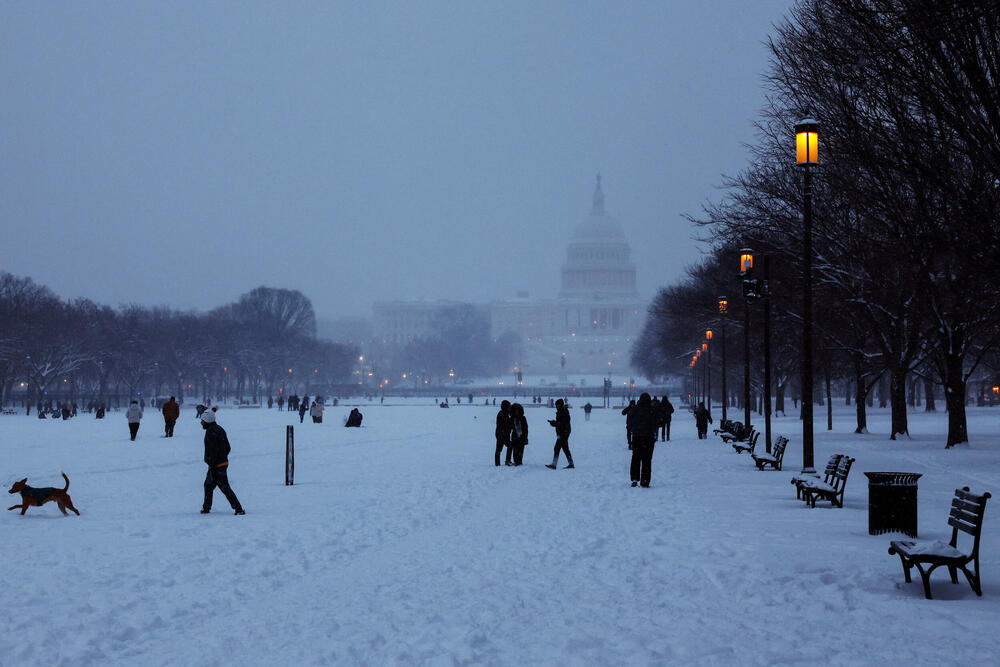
column 32, row 497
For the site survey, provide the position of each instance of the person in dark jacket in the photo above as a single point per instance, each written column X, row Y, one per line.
column 217, row 459
column 628, row 422
column 666, row 415
column 502, row 433
column 643, row 440
column 587, row 407
column 563, row 429
column 518, row 432
column 354, row 419
column 171, row 412
column 302, row 411
column 702, row 419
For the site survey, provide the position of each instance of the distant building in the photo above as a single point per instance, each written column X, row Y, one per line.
column 591, row 324
column 597, row 314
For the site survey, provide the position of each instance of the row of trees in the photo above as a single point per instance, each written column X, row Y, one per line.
column 263, row 342
column 906, row 204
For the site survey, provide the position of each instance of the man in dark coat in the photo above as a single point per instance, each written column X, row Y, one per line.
column 217, row 458
column 666, row 415
column 502, row 433
column 171, row 412
column 643, row 440
column 563, row 429
column 702, row 419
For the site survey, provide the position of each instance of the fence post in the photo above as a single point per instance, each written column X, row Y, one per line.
column 289, row 455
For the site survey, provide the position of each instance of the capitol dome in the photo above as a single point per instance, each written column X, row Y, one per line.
column 598, row 264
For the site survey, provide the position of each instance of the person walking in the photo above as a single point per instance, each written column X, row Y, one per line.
column 587, row 407
column 270, row 402
column 217, row 458
column 134, row 415
column 702, row 419
column 627, row 411
column 171, row 413
column 302, row 411
column 643, row 440
column 281, row 402
column 518, row 432
column 666, row 415
column 316, row 412
column 563, row 428
column 502, row 433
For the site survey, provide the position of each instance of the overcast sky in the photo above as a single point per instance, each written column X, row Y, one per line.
column 181, row 154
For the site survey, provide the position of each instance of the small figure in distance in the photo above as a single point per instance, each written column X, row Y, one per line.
column 354, row 419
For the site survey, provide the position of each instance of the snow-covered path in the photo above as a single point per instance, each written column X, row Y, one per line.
column 400, row 543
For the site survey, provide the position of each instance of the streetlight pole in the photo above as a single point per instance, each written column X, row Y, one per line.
column 746, row 266
column 767, row 351
column 807, row 156
column 723, row 311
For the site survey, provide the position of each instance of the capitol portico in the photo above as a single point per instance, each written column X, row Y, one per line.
column 592, row 323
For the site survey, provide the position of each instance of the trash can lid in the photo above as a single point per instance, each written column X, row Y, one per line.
column 893, row 478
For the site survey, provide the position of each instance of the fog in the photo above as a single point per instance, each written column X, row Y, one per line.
column 182, row 154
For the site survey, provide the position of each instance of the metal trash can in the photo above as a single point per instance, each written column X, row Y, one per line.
column 892, row 502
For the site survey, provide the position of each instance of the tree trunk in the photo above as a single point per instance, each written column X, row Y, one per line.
column 860, row 400
column 897, row 395
column 954, row 396
column 779, row 401
column 829, row 400
column 911, row 391
column 882, row 394
column 929, row 396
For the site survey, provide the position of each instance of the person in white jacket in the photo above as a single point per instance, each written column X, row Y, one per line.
column 316, row 412
column 133, row 415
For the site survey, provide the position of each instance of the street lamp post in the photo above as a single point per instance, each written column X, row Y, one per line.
column 723, row 311
column 746, row 266
column 807, row 156
column 766, row 292
column 708, row 375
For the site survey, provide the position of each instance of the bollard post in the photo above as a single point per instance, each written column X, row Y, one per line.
column 289, row 455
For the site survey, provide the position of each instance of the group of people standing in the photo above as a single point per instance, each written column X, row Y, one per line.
column 512, row 434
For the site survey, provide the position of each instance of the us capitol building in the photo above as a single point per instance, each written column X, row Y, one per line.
column 592, row 323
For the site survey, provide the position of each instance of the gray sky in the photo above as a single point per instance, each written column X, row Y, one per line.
column 181, row 153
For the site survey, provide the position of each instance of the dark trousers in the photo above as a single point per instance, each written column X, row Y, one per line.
column 219, row 477
column 501, row 443
column 703, row 432
column 133, row 428
column 168, row 427
column 665, row 431
column 562, row 444
column 642, row 459
column 518, row 453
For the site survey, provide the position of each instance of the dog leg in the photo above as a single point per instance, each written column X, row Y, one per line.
column 69, row 504
column 62, row 507
column 13, row 507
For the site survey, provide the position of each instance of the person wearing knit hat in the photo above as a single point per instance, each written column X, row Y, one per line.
column 217, row 458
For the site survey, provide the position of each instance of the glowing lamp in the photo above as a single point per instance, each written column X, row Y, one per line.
column 723, row 305
column 807, row 142
column 704, row 347
column 708, row 335
column 746, row 261
column 996, row 389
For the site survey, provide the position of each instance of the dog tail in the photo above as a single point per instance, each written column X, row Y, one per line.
column 66, row 488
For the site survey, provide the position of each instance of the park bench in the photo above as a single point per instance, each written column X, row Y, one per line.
column 832, row 490
column 737, row 433
column 748, row 445
column 774, row 458
column 725, row 426
column 801, row 478
column 967, row 510
column 9, row 411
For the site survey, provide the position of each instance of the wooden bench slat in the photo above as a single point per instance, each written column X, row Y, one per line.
column 966, row 505
column 964, row 515
column 964, row 526
column 965, row 495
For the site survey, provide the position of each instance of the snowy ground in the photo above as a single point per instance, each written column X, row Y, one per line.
column 400, row 543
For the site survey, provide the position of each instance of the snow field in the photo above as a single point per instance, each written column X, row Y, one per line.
column 401, row 543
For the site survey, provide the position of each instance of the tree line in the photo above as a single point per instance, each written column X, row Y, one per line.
column 906, row 232
column 262, row 344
